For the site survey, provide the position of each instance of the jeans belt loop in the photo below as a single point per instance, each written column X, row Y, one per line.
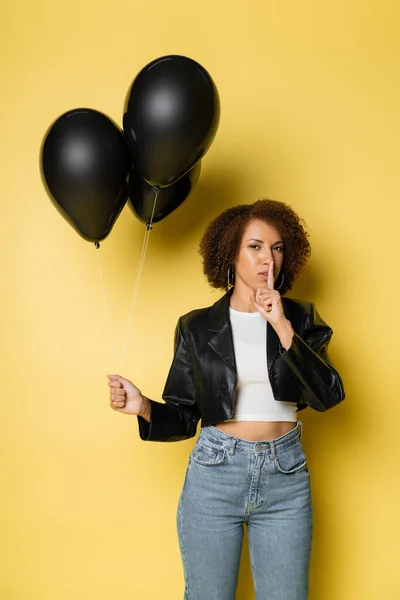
column 301, row 428
column 273, row 449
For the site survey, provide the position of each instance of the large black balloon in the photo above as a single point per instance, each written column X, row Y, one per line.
column 84, row 164
column 171, row 116
column 142, row 195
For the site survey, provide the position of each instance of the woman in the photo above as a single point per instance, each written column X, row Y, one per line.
column 245, row 366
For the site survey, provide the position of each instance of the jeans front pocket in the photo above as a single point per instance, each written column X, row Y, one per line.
column 291, row 459
column 207, row 456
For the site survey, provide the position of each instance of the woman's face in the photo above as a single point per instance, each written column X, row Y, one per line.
column 261, row 243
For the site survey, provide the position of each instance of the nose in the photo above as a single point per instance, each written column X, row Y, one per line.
column 267, row 258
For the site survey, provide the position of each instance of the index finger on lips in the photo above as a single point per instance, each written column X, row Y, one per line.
column 270, row 283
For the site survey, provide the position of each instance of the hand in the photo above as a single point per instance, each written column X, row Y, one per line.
column 268, row 301
column 125, row 397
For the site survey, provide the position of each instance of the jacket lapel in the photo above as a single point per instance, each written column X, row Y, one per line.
column 222, row 340
column 219, row 324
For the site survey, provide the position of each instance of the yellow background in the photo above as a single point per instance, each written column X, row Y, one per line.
column 310, row 101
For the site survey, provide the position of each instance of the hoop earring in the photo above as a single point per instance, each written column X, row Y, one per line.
column 283, row 279
column 231, row 276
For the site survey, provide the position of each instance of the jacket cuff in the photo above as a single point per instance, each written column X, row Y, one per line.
column 166, row 424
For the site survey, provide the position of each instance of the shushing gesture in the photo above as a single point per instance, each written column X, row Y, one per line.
column 268, row 301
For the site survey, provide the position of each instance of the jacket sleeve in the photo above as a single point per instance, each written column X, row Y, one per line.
column 177, row 418
column 308, row 358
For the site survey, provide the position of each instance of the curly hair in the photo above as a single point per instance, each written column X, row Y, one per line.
column 220, row 244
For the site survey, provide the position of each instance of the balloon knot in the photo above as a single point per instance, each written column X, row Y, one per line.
column 155, row 189
column 97, row 245
column 148, row 226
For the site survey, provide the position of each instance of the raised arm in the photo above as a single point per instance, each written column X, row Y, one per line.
column 309, row 360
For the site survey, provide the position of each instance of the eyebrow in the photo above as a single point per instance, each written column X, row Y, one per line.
column 261, row 241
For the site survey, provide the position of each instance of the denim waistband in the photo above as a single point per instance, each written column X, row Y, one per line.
column 231, row 442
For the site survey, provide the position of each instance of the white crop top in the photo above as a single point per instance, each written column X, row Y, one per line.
column 254, row 398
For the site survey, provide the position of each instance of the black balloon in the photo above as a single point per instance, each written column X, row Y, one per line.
column 84, row 165
column 142, row 195
column 171, row 116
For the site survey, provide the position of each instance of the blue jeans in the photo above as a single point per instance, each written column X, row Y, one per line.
column 230, row 481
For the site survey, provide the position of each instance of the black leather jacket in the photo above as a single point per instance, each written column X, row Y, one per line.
column 201, row 383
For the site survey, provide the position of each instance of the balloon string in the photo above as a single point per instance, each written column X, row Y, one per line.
column 110, row 344
column 139, row 275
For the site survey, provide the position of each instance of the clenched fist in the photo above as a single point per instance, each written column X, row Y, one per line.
column 125, row 397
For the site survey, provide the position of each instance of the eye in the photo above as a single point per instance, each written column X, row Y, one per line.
column 254, row 246
column 280, row 248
